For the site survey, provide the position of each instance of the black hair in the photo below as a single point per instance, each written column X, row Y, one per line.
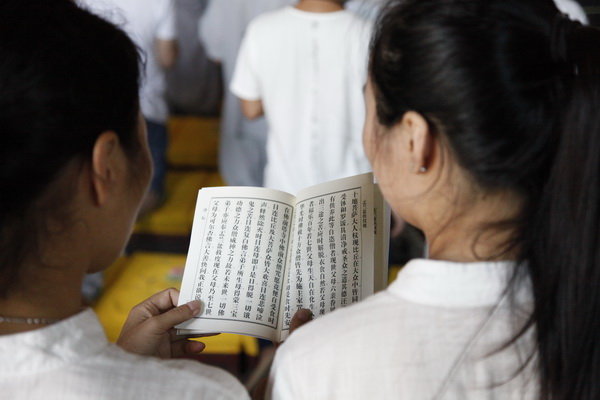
column 65, row 77
column 513, row 89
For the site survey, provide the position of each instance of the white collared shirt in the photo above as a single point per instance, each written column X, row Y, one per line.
column 435, row 333
column 73, row 359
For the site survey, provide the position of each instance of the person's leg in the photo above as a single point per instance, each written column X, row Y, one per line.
column 158, row 141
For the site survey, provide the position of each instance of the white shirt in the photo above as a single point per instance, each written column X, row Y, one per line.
column 145, row 21
column 573, row 10
column 72, row 359
column 367, row 8
column 309, row 70
column 431, row 335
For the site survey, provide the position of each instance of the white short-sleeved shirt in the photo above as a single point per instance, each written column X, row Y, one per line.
column 573, row 10
column 367, row 8
column 145, row 21
column 435, row 333
column 72, row 360
column 309, row 70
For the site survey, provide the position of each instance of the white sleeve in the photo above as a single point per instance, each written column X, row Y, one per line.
column 245, row 83
column 573, row 10
column 166, row 26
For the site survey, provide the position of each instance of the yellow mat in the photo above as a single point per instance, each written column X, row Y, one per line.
column 175, row 216
column 393, row 271
column 193, row 142
column 143, row 274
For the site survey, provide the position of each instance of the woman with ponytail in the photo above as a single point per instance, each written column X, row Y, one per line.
column 483, row 129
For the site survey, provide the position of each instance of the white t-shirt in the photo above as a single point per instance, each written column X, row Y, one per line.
column 435, row 333
column 309, row 70
column 145, row 21
column 72, row 360
column 367, row 8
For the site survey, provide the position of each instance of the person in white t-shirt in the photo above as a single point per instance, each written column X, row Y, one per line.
column 74, row 168
column 483, row 131
column 304, row 68
column 152, row 26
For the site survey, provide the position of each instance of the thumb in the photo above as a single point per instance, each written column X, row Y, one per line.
column 178, row 315
column 301, row 317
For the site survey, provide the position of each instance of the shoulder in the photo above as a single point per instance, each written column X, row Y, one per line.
column 357, row 29
column 320, row 360
column 260, row 29
column 340, row 328
column 171, row 378
column 271, row 18
column 266, row 22
column 357, row 18
column 365, row 26
column 73, row 359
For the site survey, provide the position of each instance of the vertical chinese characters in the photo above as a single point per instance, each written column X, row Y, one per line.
column 327, row 254
column 245, row 260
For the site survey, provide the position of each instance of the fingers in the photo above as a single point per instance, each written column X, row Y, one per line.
column 177, row 315
column 186, row 347
column 162, row 301
column 194, row 347
column 154, row 305
column 197, row 335
column 300, row 318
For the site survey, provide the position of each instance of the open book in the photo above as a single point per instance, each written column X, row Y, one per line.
column 258, row 255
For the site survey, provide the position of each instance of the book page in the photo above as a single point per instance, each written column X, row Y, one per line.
column 330, row 262
column 381, row 229
column 235, row 264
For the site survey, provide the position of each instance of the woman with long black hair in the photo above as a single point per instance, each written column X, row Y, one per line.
column 483, row 129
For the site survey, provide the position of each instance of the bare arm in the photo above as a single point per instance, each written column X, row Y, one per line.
column 166, row 52
column 252, row 109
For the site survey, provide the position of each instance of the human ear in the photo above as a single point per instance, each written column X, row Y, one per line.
column 105, row 158
column 420, row 140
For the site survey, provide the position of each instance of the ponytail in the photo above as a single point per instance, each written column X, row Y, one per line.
column 563, row 245
column 514, row 89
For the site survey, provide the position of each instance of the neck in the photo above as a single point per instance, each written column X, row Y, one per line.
column 479, row 233
column 51, row 294
column 320, row 6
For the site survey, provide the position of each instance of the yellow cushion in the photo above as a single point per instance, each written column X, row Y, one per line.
column 175, row 216
column 393, row 271
column 112, row 273
column 144, row 274
column 193, row 142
